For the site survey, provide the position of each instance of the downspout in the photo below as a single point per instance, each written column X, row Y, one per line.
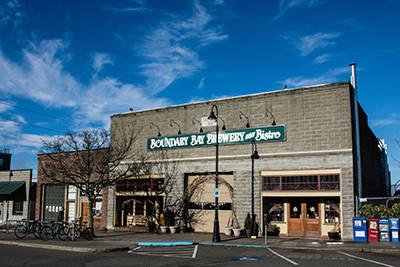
column 357, row 136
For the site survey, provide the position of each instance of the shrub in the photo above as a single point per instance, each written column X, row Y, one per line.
column 248, row 222
column 169, row 218
column 375, row 211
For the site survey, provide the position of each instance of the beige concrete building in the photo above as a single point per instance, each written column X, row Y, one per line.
column 305, row 177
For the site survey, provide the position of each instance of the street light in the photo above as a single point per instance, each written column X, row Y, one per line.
column 213, row 116
column 254, row 155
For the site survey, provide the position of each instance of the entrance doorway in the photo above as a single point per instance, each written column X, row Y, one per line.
column 304, row 217
column 135, row 210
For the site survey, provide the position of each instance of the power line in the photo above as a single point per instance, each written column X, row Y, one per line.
column 30, row 110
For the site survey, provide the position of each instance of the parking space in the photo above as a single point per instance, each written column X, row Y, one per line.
column 244, row 256
column 188, row 252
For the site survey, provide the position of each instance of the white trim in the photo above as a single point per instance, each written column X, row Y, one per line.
column 297, row 153
column 283, row 257
column 364, row 259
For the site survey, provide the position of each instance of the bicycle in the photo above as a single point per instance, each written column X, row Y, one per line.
column 26, row 227
column 76, row 231
column 53, row 230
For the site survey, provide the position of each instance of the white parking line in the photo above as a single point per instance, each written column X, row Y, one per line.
column 177, row 252
column 364, row 259
column 195, row 251
column 283, row 257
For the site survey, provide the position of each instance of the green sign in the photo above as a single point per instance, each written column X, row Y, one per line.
column 244, row 136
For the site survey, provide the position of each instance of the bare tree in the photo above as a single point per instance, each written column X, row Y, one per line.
column 89, row 162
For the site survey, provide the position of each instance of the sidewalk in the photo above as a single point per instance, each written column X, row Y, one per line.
column 113, row 241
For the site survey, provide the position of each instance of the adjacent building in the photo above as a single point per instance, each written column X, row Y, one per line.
column 17, row 192
column 52, row 196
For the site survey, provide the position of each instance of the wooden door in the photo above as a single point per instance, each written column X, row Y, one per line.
column 312, row 219
column 296, row 218
column 304, row 218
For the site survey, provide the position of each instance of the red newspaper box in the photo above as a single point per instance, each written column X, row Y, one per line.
column 373, row 230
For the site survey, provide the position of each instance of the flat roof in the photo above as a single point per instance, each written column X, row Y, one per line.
column 231, row 97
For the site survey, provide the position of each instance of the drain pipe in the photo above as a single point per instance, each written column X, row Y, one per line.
column 357, row 136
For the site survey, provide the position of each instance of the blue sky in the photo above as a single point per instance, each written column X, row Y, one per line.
column 71, row 64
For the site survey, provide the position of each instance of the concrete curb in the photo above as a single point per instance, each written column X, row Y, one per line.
column 167, row 244
column 234, row 245
column 63, row 248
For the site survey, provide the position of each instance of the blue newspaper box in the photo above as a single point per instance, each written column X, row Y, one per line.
column 384, row 233
column 394, row 225
column 360, row 229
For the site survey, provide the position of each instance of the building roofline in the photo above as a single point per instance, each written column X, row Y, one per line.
column 230, row 98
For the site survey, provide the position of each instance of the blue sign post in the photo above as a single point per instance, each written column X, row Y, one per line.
column 360, row 229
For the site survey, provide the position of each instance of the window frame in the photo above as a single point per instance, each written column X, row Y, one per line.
column 302, row 183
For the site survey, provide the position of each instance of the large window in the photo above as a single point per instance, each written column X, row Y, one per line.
column 276, row 211
column 302, row 183
column 141, row 185
column 332, row 212
column 18, row 207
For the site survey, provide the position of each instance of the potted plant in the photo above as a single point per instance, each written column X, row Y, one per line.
column 273, row 230
column 334, row 234
column 150, row 224
column 170, row 220
column 163, row 227
column 248, row 223
column 228, row 227
column 236, row 228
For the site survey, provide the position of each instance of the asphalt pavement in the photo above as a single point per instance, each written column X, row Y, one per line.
column 194, row 255
column 107, row 241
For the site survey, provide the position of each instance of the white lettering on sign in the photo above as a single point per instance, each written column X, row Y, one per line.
column 197, row 140
column 264, row 136
column 169, row 142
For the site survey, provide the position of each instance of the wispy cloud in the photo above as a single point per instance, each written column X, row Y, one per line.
column 201, row 83
column 6, row 106
column 285, row 5
column 384, row 122
column 309, row 43
column 327, row 77
column 171, row 49
column 11, row 13
column 100, row 60
column 322, row 58
column 42, row 77
column 390, row 119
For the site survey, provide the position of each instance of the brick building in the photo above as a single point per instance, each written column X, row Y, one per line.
column 305, row 177
column 52, row 196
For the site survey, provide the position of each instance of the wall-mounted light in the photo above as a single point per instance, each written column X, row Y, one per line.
column 171, row 122
column 272, row 115
column 158, row 128
column 223, row 123
column 241, row 115
column 194, row 121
